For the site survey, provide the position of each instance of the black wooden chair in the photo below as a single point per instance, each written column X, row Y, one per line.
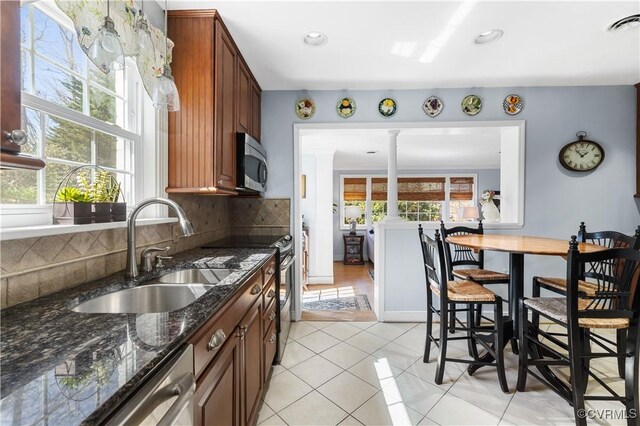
column 609, row 239
column 463, row 292
column 458, row 256
column 614, row 304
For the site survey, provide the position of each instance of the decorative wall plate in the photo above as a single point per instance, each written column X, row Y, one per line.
column 387, row 107
column 432, row 106
column 346, row 107
column 305, row 108
column 512, row 104
column 471, row 105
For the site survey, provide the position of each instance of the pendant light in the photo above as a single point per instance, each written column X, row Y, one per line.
column 106, row 50
column 143, row 35
column 165, row 93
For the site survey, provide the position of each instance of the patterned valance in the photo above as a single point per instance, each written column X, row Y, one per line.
column 87, row 17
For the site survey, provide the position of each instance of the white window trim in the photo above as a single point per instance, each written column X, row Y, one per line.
column 368, row 213
column 27, row 220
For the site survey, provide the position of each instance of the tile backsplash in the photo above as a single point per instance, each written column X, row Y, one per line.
column 33, row 267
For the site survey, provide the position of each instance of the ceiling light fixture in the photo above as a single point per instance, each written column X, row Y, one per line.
column 165, row 92
column 315, row 39
column 106, row 51
column 628, row 22
column 488, row 37
column 144, row 43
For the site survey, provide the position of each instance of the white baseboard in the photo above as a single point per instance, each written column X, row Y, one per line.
column 321, row 280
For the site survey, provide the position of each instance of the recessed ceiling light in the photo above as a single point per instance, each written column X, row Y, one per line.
column 372, row 152
column 315, row 39
column 631, row 21
column 488, row 37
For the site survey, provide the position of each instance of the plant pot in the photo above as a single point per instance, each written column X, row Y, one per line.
column 118, row 212
column 75, row 213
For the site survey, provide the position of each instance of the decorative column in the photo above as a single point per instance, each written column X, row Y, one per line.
column 392, row 177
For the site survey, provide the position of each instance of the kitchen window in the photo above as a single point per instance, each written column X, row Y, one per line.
column 423, row 198
column 73, row 115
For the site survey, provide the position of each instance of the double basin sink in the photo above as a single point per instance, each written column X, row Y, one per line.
column 169, row 292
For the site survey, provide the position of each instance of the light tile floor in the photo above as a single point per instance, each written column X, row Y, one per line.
column 373, row 374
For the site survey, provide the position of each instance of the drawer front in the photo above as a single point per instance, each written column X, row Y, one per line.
column 269, row 270
column 269, row 292
column 269, row 316
column 270, row 346
column 352, row 240
column 223, row 328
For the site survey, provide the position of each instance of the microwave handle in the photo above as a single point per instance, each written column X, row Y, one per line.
column 262, row 173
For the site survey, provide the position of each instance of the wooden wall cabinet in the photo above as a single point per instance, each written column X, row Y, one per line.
column 231, row 370
column 218, row 95
column 637, row 194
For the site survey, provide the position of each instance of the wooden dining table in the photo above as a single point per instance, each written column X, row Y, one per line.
column 517, row 246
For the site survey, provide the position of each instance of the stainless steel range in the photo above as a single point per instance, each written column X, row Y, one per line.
column 286, row 263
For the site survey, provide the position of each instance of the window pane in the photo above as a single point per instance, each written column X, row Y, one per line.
column 57, row 43
column 455, row 209
column 54, row 175
column 378, row 210
column 105, row 80
column 18, row 186
column 102, row 105
column 25, row 35
column 25, row 60
column 55, row 85
column 67, row 140
column 113, row 152
column 31, row 124
column 412, row 207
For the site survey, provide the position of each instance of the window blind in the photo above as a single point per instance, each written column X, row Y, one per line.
column 461, row 188
column 355, row 189
column 410, row 189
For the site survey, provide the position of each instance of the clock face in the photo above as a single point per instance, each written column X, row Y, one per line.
column 581, row 156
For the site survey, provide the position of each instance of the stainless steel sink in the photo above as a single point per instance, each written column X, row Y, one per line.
column 195, row 276
column 150, row 298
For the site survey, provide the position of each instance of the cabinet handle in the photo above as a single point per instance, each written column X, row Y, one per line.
column 271, row 271
column 220, row 182
column 217, row 339
column 272, row 339
column 271, row 293
column 18, row 136
column 272, row 316
column 256, row 289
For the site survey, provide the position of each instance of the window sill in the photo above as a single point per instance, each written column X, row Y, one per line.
column 44, row 230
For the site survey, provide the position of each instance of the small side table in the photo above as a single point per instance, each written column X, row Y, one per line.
column 353, row 245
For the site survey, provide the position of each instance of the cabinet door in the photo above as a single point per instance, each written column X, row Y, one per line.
column 255, row 111
column 243, row 98
column 252, row 357
column 217, row 397
column 225, row 77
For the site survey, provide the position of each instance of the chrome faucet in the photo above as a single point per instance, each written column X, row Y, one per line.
column 131, row 270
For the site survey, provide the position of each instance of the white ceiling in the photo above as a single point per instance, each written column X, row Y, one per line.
column 391, row 44
column 418, row 149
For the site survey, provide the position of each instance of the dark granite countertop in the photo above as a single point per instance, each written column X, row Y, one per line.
column 59, row 367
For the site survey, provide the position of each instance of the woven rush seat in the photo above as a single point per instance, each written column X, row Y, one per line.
column 556, row 308
column 561, row 284
column 482, row 275
column 466, row 291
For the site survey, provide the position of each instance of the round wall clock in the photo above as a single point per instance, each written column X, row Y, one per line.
column 582, row 155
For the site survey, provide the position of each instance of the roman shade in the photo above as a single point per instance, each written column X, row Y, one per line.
column 461, row 188
column 355, row 189
column 410, row 189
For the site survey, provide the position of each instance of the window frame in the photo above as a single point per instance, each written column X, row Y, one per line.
column 368, row 202
column 148, row 137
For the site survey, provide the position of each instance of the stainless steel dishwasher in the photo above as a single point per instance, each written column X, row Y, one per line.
column 167, row 399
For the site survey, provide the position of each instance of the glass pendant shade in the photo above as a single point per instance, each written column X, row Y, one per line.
column 144, row 44
column 106, row 51
column 165, row 92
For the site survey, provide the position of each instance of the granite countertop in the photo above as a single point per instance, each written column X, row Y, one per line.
column 62, row 367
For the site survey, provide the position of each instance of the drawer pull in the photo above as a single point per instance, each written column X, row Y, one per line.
column 271, row 293
column 272, row 339
column 256, row 289
column 272, row 316
column 217, row 339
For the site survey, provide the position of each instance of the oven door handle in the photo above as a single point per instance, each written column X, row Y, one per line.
column 287, row 262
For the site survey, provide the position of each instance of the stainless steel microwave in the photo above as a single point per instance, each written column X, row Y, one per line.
column 251, row 165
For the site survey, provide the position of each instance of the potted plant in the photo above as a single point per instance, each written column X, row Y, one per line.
column 93, row 201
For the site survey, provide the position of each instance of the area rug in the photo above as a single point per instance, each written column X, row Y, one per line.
column 359, row 302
